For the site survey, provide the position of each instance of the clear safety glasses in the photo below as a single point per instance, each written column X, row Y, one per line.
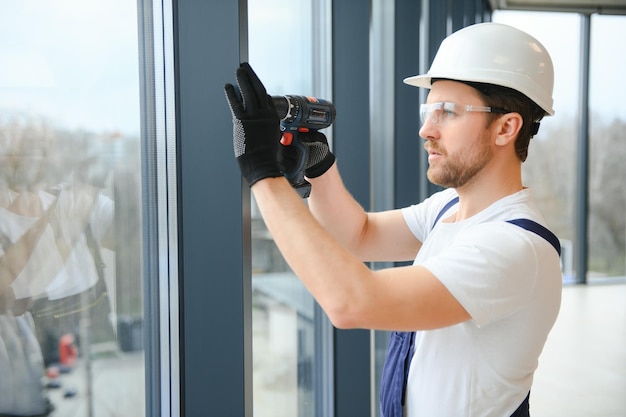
column 442, row 111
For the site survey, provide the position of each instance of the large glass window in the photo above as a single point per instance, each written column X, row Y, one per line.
column 286, row 320
column 71, row 304
column 607, row 150
column 551, row 166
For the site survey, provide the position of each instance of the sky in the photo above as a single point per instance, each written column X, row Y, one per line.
column 99, row 90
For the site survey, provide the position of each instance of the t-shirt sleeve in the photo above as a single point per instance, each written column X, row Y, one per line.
column 490, row 269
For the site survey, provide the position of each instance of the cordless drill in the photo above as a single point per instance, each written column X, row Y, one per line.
column 299, row 115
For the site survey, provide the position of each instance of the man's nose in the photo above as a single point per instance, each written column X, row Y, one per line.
column 428, row 130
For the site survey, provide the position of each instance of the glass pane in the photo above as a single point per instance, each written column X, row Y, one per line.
column 550, row 169
column 607, row 172
column 70, row 230
column 284, row 314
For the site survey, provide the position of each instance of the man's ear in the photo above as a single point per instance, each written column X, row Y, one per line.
column 508, row 126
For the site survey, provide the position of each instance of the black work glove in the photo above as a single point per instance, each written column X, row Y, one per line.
column 256, row 127
column 318, row 156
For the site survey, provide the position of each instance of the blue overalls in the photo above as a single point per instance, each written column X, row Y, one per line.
column 401, row 344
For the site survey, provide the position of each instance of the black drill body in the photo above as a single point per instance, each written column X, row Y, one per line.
column 299, row 115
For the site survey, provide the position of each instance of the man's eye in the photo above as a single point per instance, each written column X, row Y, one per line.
column 448, row 110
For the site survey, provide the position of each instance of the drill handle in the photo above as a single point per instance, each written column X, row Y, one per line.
column 295, row 174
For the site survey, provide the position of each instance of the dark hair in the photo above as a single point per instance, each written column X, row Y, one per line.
column 515, row 102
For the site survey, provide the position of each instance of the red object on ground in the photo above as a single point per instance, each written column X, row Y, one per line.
column 68, row 352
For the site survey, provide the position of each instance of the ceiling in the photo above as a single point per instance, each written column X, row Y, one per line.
column 580, row 6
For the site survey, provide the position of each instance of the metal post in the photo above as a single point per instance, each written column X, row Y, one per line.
column 582, row 180
column 85, row 342
column 424, row 63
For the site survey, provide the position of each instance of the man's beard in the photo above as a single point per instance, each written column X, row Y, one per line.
column 455, row 171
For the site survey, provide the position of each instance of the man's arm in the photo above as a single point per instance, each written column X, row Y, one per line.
column 353, row 296
column 380, row 236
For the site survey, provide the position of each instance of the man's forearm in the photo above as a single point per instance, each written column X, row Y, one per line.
column 330, row 272
column 337, row 211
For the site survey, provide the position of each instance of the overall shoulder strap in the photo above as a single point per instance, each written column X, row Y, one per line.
column 444, row 209
column 539, row 230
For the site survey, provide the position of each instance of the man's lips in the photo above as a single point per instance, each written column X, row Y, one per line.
column 432, row 152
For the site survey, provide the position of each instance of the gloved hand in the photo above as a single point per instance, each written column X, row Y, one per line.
column 256, row 127
column 319, row 158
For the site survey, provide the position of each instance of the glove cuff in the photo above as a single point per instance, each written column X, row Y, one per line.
column 321, row 167
column 258, row 170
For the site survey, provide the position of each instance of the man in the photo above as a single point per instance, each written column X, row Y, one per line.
column 471, row 315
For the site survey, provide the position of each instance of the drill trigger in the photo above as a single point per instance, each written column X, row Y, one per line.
column 287, row 138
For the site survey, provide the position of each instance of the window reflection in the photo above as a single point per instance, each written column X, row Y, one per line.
column 70, row 276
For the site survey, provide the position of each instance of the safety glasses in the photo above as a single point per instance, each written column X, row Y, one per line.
column 442, row 111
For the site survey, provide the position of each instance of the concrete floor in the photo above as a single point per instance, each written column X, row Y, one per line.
column 582, row 371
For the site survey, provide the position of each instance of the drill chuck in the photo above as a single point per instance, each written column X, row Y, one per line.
column 281, row 103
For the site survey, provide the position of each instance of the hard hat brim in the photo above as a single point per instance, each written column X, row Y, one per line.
column 418, row 81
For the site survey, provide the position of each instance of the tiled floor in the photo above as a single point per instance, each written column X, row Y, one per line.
column 582, row 371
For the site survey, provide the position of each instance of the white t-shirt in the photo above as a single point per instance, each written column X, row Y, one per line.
column 509, row 280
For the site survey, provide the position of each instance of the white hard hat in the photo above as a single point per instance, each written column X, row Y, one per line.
column 498, row 54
